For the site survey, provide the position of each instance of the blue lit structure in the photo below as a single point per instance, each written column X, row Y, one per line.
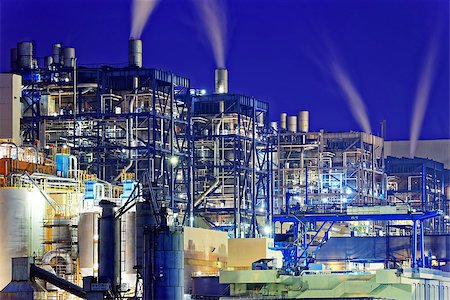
column 232, row 163
column 420, row 183
column 115, row 120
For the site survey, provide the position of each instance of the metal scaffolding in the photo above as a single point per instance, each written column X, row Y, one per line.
column 232, row 164
column 116, row 120
column 420, row 184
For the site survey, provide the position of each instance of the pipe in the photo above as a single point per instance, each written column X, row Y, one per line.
column 206, row 193
column 57, row 281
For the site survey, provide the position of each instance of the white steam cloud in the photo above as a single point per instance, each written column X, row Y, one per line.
column 352, row 96
column 213, row 14
column 141, row 11
column 422, row 96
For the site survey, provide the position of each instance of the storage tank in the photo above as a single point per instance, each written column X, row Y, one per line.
column 25, row 55
column 283, row 120
column 21, row 223
column 135, row 53
column 303, row 121
column 87, row 243
column 129, row 272
column 69, row 57
column 169, row 263
column 292, row 123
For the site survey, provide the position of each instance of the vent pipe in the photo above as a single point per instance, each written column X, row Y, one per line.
column 25, row 55
column 56, row 53
column 69, row 57
column 283, row 121
column 221, row 81
column 292, row 123
column 303, row 121
column 135, row 53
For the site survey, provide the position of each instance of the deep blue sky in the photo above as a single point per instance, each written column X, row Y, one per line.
column 273, row 49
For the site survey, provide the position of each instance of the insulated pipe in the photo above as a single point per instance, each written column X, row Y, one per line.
column 135, row 53
column 221, row 81
column 206, row 193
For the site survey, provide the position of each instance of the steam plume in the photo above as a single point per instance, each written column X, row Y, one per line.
column 141, row 11
column 422, row 95
column 352, row 96
column 213, row 14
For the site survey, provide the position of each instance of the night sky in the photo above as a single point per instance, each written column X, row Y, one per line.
column 276, row 51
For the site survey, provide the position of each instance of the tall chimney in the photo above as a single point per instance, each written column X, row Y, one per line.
column 292, row 123
column 283, row 120
column 221, row 81
column 135, row 53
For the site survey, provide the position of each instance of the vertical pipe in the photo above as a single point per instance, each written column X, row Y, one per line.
column 254, row 184
column 106, row 243
column 414, row 245
column 422, row 244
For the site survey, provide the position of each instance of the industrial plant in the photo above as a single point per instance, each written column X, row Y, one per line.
column 127, row 182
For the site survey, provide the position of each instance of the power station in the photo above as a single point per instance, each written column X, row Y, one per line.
column 129, row 183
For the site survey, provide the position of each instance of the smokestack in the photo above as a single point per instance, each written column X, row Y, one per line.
column 135, row 53
column 283, row 121
column 48, row 61
column 25, row 55
column 69, row 57
column 221, row 81
column 292, row 123
column 56, row 53
column 303, row 121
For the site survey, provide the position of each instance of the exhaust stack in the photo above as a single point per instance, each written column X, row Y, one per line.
column 135, row 53
column 221, row 81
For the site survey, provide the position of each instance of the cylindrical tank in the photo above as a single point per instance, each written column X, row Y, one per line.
column 135, row 53
column 130, row 242
column 21, row 223
column 25, row 55
column 283, row 120
column 69, row 57
column 48, row 61
column 169, row 263
column 221, row 81
column 143, row 219
column 106, row 243
column 303, row 121
column 56, row 53
column 292, row 123
column 13, row 57
column 87, row 243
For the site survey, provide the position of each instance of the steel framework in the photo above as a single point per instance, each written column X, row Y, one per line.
column 232, row 163
column 115, row 120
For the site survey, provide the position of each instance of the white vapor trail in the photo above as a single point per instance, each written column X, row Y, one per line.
column 352, row 96
column 141, row 11
column 422, row 96
column 213, row 14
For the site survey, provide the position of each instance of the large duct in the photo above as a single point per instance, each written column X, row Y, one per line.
column 292, row 123
column 69, row 57
column 135, row 53
column 283, row 120
column 221, row 81
column 303, row 121
column 56, row 53
column 25, row 55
